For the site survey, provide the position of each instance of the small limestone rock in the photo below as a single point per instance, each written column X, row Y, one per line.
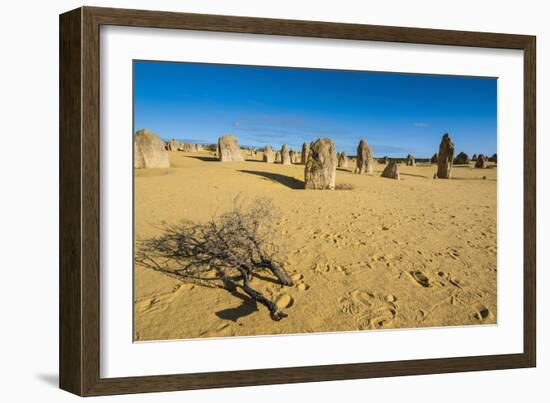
column 285, row 155
column 305, row 153
column 173, row 145
column 364, row 158
column 445, row 157
column 269, row 155
column 320, row 169
column 292, row 155
column 342, row 160
column 228, row 149
column 391, row 171
column 188, row 148
column 149, row 151
column 461, row 159
column 481, row 161
column 410, row 161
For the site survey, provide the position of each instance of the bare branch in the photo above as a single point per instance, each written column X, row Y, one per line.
column 228, row 248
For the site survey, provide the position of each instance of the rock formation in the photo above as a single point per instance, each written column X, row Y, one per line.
column 269, row 155
column 474, row 157
column 305, row 152
column 445, row 157
column 320, row 169
column 278, row 157
column 173, row 145
column 364, row 158
column 391, row 171
column 228, row 149
column 493, row 158
column 188, row 147
column 149, row 151
column 434, row 159
column 285, row 155
column 410, row 161
column 292, row 155
column 342, row 160
column 481, row 161
column 461, row 159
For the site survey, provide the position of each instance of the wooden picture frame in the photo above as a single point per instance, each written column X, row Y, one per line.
column 79, row 346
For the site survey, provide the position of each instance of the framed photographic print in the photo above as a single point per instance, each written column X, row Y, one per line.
column 249, row 201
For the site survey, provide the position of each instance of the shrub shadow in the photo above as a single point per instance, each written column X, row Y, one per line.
column 247, row 307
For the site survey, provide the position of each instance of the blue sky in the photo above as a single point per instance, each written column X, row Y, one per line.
column 396, row 113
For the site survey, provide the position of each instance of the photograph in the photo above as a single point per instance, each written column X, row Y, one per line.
column 274, row 200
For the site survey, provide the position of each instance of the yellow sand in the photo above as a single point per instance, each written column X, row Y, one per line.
column 353, row 253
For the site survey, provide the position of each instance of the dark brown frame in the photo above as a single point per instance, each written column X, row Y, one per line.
column 79, row 201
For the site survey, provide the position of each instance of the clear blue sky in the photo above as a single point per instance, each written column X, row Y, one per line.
column 396, row 113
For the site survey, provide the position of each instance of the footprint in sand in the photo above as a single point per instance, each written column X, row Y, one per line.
column 142, row 305
column 483, row 313
column 374, row 311
column 390, row 298
column 384, row 317
column 284, row 301
column 347, row 305
column 146, row 304
column 364, row 297
column 420, row 278
column 343, row 270
column 321, row 268
column 302, row 287
column 162, row 301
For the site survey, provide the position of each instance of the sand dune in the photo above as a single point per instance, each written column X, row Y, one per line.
column 382, row 254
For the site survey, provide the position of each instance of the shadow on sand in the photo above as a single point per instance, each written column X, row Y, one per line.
column 247, row 307
column 203, row 158
column 415, row 175
column 473, row 179
column 288, row 181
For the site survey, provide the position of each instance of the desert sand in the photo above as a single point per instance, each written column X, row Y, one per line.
column 378, row 254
